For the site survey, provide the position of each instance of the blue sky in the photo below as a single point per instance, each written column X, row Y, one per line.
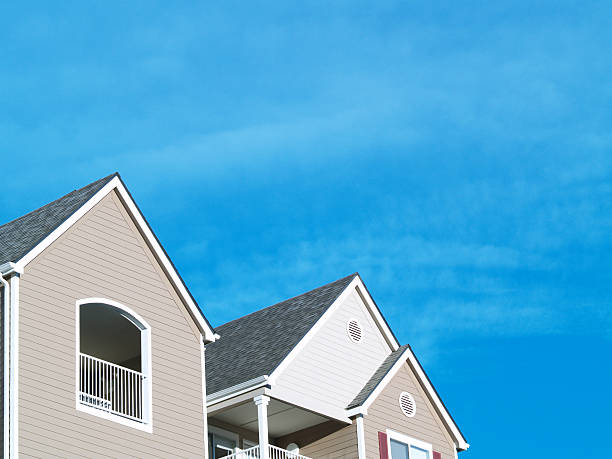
column 456, row 154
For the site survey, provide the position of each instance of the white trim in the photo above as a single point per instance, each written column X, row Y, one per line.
column 145, row 358
column 5, row 363
column 14, row 369
column 393, row 435
column 262, row 402
column 361, row 449
column 10, row 268
column 47, row 241
column 236, row 390
column 204, row 410
column 131, row 314
column 115, row 183
column 362, row 291
column 114, row 418
column 350, row 288
column 408, row 355
column 312, row 332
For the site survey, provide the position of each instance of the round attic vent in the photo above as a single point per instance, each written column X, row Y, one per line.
column 353, row 328
column 407, row 404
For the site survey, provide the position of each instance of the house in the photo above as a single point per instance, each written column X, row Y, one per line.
column 323, row 376
column 105, row 353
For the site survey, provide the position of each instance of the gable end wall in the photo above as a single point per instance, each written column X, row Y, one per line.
column 330, row 370
column 385, row 413
column 103, row 255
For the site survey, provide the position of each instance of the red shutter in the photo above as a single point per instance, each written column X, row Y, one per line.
column 382, row 445
column 437, row 455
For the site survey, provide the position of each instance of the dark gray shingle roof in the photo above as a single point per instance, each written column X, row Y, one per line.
column 254, row 345
column 377, row 377
column 20, row 236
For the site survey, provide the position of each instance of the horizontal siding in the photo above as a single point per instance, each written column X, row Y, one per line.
column 385, row 413
column 103, row 255
column 331, row 370
column 329, row 440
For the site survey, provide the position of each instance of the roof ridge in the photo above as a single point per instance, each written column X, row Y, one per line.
column 104, row 179
column 286, row 300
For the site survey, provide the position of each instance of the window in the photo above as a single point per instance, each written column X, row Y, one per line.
column 221, row 443
column 404, row 447
column 113, row 363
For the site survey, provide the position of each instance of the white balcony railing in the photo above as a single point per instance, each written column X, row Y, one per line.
column 111, row 388
column 274, row 452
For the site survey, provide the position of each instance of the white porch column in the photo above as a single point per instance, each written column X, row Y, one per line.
column 262, row 423
column 361, row 451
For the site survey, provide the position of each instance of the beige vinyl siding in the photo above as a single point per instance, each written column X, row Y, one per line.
column 2, row 319
column 104, row 255
column 329, row 440
column 385, row 413
column 331, row 369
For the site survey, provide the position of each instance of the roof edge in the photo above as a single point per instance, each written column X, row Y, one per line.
column 288, row 299
column 115, row 182
column 354, row 404
column 408, row 356
column 310, row 333
column 237, row 389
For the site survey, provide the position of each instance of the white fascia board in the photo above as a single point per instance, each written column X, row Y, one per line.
column 115, row 183
column 236, row 390
column 408, row 355
column 9, row 268
column 379, row 319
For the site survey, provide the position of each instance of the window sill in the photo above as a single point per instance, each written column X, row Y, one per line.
column 145, row 427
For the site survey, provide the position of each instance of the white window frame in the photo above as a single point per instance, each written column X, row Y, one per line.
column 146, row 370
column 393, row 435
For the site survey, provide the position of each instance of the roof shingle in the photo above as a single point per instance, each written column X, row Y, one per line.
column 20, row 236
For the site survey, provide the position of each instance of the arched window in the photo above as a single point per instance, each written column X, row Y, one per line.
column 113, row 362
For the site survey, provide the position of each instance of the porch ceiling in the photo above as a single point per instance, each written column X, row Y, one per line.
column 283, row 418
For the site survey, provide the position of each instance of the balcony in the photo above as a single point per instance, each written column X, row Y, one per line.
column 111, row 388
column 113, row 363
column 273, row 453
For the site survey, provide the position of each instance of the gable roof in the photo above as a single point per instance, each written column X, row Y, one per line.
column 383, row 376
column 254, row 345
column 23, row 239
column 21, row 235
column 377, row 377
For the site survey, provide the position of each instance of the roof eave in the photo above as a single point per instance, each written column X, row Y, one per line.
column 9, row 268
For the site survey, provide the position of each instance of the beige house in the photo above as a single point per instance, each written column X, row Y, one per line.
column 105, row 353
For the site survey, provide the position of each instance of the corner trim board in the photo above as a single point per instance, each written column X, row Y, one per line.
column 14, row 368
column 361, row 449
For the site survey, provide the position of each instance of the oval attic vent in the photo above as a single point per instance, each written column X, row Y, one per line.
column 406, row 402
column 353, row 328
